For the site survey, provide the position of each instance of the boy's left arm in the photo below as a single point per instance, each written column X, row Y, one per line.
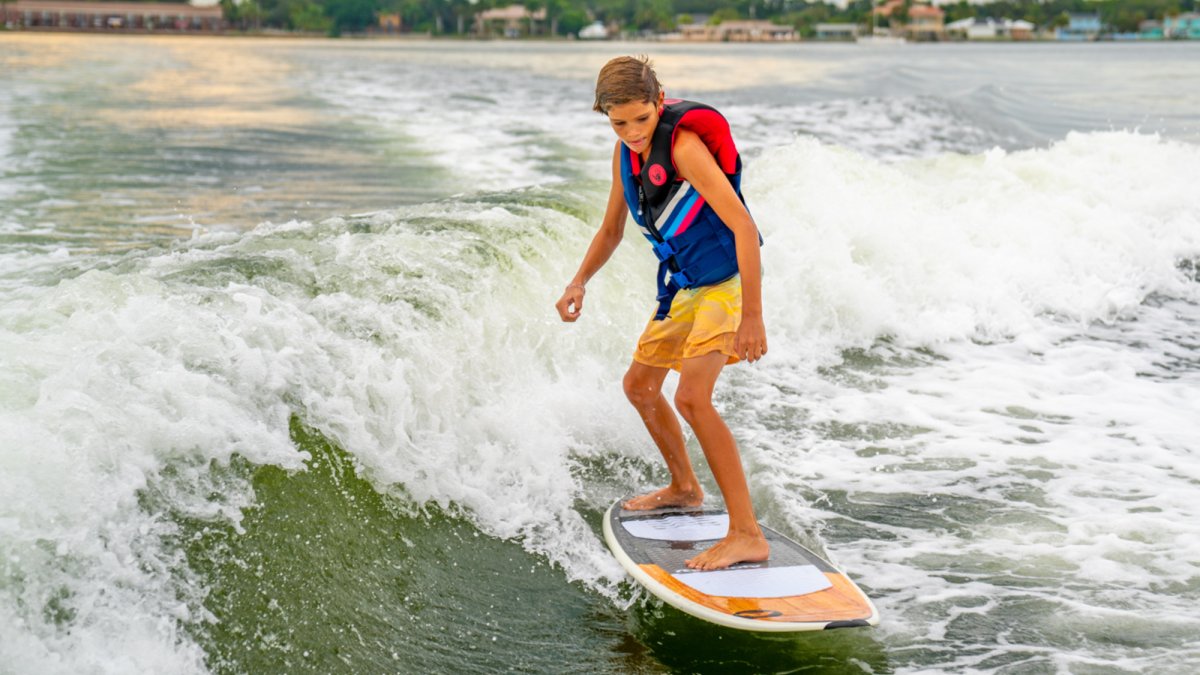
column 697, row 165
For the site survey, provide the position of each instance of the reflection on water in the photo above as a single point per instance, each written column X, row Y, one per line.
column 120, row 142
column 233, row 86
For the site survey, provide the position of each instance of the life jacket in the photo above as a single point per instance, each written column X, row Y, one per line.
column 693, row 246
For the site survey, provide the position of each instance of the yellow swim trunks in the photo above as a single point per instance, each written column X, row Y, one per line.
column 701, row 320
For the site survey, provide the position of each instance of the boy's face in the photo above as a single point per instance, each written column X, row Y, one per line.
column 634, row 122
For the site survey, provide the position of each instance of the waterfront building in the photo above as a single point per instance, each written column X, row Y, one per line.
column 925, row 23
column 389, row 24
column 887, row 8
column 1182, row 27
column 74, row 15
column 510, row 22
column 1080, row 27
column 974, row 28
column 696, row 32
column 1021, row 29
column 754, row 31
column 738, row 31
column 833, row 32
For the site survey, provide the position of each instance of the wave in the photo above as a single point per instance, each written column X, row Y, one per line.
column 974, row 247
column 422, row 343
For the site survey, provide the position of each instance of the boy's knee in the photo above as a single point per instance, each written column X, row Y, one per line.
column 639, row 392
column 690, row 402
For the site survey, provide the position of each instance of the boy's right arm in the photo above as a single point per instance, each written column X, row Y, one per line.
column 612, row 229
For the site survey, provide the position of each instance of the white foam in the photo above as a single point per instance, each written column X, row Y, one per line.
column 884, row 128
column 970, row 247
column 500, row 130
column 443, row 380
column 1040, row 446
column 425, row 344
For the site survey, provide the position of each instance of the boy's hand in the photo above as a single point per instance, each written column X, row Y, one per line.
column 571, row 303
column 750, row 342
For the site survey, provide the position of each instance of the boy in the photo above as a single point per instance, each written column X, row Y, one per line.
column 676, row 169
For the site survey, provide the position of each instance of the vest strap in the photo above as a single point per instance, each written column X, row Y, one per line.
column 667, row 288
column 663, row 250
column 681, row 279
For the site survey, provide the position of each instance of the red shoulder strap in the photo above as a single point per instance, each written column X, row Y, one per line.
column 713, row 129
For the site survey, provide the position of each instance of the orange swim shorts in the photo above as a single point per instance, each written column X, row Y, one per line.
column 701, row 320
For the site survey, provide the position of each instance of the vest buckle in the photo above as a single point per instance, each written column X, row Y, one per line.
column 681, row 279
column 663, row 250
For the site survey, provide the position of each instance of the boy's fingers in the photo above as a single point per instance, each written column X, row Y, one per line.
column 565, row 311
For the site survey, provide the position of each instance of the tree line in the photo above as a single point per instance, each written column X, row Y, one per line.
column 566, row 17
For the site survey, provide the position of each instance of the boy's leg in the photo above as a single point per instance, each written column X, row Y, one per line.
column 744, row 542
column 643, row 387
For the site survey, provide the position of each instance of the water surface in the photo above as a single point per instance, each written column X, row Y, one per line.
column 282, row 390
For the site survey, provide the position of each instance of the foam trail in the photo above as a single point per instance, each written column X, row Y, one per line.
column 979, row 247
column 884, row 128
column 1023, row 435
column 423, row 342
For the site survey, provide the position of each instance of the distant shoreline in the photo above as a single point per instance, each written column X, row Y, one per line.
column 427, row 37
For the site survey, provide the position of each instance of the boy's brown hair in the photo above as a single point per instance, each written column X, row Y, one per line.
column 623, row 80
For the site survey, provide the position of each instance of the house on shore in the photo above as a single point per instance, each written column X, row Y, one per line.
column 738, row 31
column 511, row 22
column 1080, row 28
column 925, row 23
column 389, row 23
column 836, row 32
column 126, row 17
column 975, row 28
column 1020, row 29
column 1182, row 27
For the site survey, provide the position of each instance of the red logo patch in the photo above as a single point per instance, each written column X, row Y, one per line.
column 658, row 175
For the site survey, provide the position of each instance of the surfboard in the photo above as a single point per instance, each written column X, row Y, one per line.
column 795, row 590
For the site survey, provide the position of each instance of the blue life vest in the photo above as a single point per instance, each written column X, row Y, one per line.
column 693, row 246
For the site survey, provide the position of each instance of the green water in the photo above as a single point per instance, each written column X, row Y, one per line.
column 330, row 576
column 980, row 400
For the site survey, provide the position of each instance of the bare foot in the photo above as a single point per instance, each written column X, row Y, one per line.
column 666, row 497
column 733, row 549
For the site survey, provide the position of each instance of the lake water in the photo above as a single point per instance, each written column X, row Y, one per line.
column 282, row 388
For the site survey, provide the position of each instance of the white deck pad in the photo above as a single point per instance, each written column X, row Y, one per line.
column 795, row 590
column 762, row 582
column 680, row 528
